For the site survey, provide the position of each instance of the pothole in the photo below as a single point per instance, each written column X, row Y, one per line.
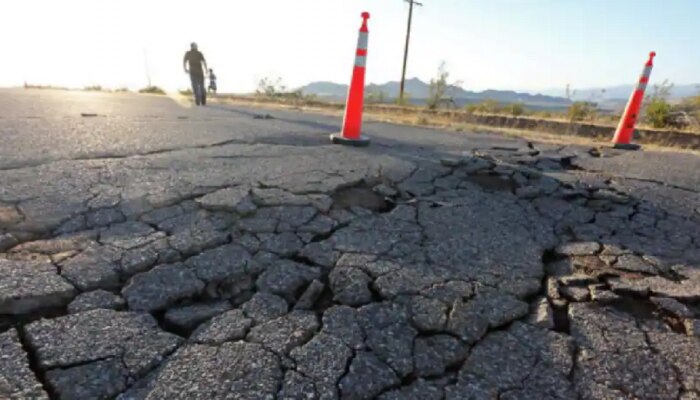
column 9, row 321
column 324, row 301
column 560, row 315
column 34, row 363
column 166, row 326
column 568, row 164
column 362, row 196
column 595, row 153
column 549, row 256
column 587, row 275
column 676, row 324
column 637, row 307
column 493, row 183
column 560, row 309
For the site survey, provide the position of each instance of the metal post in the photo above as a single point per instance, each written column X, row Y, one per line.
column 405, row 53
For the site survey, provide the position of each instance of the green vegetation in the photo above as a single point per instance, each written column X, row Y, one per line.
column 493, row 107
column 657, row 108
column 440, row 89
column 186, row 92
column 515, row 109
column 405, row 101
column 271, row 87
column 122, row 90
column 152, row 90
column 485, row 107
column 45, row 87
column 93, row 88
column 657, row 112
column 375, row 97
column 274, row 88
column 691, row 107
column 582, row 111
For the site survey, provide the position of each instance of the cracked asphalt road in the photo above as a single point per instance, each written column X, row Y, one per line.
column 156, row 251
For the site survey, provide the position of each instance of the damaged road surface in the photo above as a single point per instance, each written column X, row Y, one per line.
column 147, row 255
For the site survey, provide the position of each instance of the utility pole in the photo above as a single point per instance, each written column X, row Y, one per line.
column 405, row 52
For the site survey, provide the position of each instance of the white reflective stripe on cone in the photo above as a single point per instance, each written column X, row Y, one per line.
column 361, row 61
column 642, row 87
column 363, row 41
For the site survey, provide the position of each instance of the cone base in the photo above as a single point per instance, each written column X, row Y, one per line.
column 628, row 146
column 338, row 138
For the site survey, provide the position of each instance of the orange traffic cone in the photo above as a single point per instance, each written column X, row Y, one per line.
column 625, row 130
column 352, row 123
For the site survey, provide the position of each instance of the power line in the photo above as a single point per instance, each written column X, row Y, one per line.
column 408, row 39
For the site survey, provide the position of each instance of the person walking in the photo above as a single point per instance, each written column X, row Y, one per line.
column 212, row 81
column 195, row 65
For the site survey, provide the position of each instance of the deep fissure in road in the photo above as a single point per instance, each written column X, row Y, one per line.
column 376, row 288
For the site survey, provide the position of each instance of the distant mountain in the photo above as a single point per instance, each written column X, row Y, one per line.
column 415, row 88
column 509, row 96
column 418, row 91
column 621, row 92
column 607, row 97
column 326, row 89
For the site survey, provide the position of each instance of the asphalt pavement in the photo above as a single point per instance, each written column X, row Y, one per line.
column 154, row 250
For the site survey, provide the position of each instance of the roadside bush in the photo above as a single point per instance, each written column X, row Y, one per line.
column 122, row 90
column 694, row 109
column 658, row 109
column 270, row 87
column 695, row 102
column 273, row 88
column 46, row 87
column 377, row 97
column 186, row 92
column 152, row 90
column 294, row 94
column 405, row 101
column 515, row 109
column 308, row 97
column 486, row 107
column 93, row 88
column 581, row 111
column 440, row 88
column 657, row 112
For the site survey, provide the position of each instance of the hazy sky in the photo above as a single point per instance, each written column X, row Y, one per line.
column 499, row 44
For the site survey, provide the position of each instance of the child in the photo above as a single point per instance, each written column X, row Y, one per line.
column 212, row 81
